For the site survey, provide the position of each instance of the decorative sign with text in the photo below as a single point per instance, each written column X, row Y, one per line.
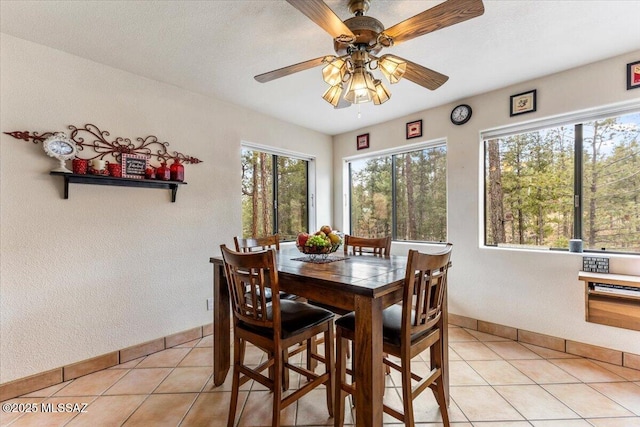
column 134, row 166
column 595, row 264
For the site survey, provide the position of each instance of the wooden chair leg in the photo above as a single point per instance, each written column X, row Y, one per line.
column 312, row 348
column 277, row 386
column 285, row 371
column 340, row 378
column 436, row 362
column 238, row 358
column 407, row 398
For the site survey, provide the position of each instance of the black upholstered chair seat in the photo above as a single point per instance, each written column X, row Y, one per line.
column 391, row 324
column 295, row 316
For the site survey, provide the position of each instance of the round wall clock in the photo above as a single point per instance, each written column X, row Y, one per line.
column 460, row 114
column 60, row 147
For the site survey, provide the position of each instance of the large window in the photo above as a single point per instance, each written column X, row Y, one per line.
column 403, row 195
column 573, row 180
column 274, row 194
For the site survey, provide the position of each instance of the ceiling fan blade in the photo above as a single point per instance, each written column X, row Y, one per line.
column 321, row 14
column 441, row 16
column 420, row 75
column 285, row 71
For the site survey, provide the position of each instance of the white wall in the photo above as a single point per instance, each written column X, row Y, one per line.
column 112, row 266
column 536, row 291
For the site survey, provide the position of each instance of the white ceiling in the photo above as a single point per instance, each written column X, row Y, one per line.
column 216, row 47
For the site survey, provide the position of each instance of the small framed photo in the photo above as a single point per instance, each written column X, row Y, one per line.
column 414, row 129
column 362, row 141
column 134, row 166
column 633, row 75
column 523, row 103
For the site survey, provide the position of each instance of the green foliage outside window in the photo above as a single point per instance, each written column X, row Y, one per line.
column 530, row 195
column 402, row 195
column 274, row 195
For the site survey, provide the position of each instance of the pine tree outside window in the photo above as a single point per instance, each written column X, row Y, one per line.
column 579, row 179
column 401, row 194
column 274, row 194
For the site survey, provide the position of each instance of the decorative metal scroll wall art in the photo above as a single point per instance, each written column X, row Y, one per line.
column 149, row 146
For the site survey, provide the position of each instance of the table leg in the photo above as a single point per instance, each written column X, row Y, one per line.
column 221, row 326
column 369, row 375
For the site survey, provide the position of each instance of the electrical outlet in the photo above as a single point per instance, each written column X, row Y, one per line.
column 209, row 304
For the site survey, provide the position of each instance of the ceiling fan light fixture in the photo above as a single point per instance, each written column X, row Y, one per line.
column 333, row 73
column 332, row 95
column 382, row 94
column 392, row 68
column 361, row 88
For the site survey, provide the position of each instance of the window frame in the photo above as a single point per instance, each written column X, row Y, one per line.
column 311, row 177
column 403, row 149
column 576, row 119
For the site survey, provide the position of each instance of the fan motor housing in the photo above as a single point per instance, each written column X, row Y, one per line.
column 366, row 30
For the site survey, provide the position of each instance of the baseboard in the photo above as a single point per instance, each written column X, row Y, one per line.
column 615, row 357
column 52, row 377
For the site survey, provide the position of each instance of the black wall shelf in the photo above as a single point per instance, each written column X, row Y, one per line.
column 71, row 178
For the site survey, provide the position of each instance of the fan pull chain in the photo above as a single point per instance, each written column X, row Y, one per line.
column 359, row 115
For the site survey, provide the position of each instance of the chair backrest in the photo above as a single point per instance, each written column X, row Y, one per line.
column 377, row 246
column 252, row 244
column 248, row 274
column 425, row 284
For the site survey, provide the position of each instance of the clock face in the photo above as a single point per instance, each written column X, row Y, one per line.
column 461, row 114
column 59, row 146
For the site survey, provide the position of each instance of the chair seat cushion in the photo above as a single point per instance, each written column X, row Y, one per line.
column 295, row 316
column 391, row 325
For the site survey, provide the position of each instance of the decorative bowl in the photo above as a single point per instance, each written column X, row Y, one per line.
column 318, row 250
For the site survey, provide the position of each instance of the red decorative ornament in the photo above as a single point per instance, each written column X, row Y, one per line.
column 163, row 172
column 115, row 169
column 177, row 171
column 150, row 173
column 79, row 166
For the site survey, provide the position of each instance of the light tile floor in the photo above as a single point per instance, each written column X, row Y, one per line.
column 495, row 382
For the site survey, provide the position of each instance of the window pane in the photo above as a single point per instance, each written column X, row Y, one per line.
column 371, row 197
column 529, row 189
column 421, row 195
column 292, row 197
column 257, row 193
column 611, row 185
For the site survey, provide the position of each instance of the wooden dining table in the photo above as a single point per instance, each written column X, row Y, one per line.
column 365, row 284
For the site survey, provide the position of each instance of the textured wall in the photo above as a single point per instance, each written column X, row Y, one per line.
column 113, row 266
column 533, row 290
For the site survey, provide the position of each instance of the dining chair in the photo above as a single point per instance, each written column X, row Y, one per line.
column 407, row 330
column 272, row 326
column 377, row 246
column 253, row 244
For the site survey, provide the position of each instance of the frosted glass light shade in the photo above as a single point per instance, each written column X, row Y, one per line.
column 382, row 94
column 392, row 68
column 332, row 95
column 361, row 88
column 333, row 72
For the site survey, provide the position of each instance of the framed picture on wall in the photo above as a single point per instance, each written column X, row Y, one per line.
column 523, row 103
column 134, row 166
column 362, row 141
column 633, row 75
column 414, row 129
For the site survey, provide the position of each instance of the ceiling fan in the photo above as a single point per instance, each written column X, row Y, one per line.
column 357, row 42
